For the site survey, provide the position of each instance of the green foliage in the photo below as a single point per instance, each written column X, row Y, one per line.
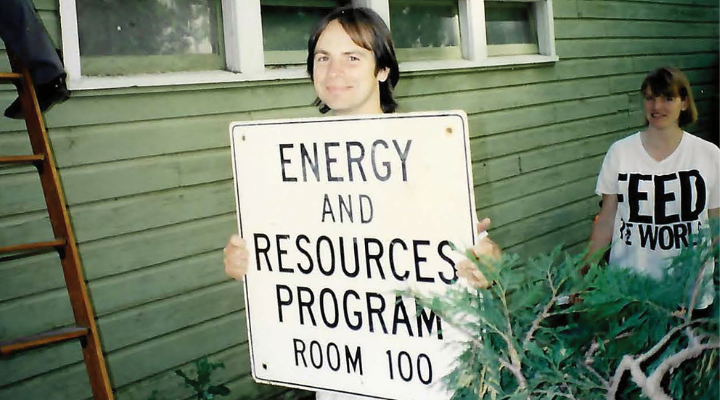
column 528, row 341
column 201, row 385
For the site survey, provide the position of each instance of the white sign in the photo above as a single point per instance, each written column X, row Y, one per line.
column 339, row 214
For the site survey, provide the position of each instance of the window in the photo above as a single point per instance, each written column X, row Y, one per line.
column 139, row 36
column 286, row 26
column 510, row 28
column 425, row 30
column 119, row 43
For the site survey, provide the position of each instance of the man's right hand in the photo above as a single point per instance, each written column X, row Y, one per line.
column 236, row 257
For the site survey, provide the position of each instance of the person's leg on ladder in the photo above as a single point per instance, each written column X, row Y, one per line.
column 24, row 34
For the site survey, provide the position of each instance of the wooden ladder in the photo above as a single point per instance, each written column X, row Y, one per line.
column 85, row 328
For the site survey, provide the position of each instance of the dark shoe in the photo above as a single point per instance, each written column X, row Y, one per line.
column 14, row 111
column 52, row 93
column 48, row 94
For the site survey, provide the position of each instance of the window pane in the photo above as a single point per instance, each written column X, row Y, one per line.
column 509, row 23
column 133, row 36
column 431, row 28
column 286, row 27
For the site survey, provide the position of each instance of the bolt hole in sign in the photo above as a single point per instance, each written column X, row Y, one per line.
column 339, row 214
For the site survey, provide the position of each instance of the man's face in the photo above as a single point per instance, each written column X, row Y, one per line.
column 344, row 74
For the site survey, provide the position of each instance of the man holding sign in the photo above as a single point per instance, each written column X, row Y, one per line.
column 351, row 61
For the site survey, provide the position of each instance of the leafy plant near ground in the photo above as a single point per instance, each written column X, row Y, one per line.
column 630, row 336
column 202, row 386
column 204, row 390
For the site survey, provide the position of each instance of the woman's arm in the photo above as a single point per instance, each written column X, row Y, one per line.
column 714, row 215
column 602, row 231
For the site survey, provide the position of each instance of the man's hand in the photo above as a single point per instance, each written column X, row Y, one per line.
column 236, row 257
column 483, row 249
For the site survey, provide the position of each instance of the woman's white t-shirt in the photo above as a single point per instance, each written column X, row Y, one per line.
column 660, row 203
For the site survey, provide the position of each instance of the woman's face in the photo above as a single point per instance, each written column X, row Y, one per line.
column 663, row 112
column 344, row 74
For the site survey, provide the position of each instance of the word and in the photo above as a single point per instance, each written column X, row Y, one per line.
column 345, row 205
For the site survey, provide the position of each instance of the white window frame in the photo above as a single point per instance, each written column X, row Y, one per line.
column 244, row 58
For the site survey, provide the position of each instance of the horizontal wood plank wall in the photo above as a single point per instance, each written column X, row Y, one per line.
column 148, row 182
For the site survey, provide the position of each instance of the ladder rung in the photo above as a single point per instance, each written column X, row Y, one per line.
column 42, row 339
column 6, row 77
column 22, row 159
column 16, row 248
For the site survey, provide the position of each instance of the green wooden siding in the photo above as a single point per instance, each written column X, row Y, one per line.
column 147, row 177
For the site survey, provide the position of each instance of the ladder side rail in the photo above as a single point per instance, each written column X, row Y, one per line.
column 60, row 221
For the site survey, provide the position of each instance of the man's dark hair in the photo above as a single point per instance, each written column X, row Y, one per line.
column 368, row 30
